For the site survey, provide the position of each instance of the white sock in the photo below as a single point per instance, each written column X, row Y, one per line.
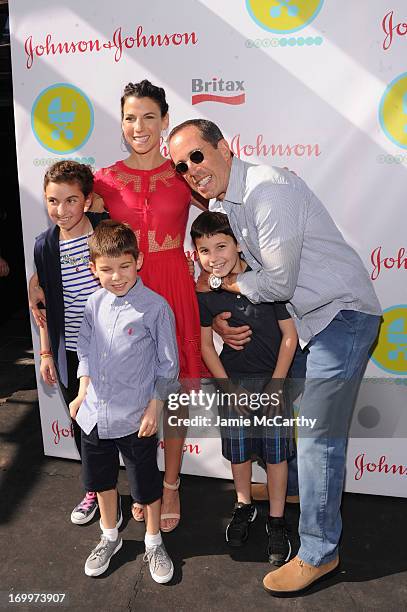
column 152, row 540
column 111, row 534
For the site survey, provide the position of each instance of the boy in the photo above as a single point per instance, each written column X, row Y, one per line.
column 267, row 356
column 61, row 256
column 128, row 362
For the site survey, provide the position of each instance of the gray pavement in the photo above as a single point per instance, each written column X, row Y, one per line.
column 42, row 551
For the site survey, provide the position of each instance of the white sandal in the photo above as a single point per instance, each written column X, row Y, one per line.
column 171, row 515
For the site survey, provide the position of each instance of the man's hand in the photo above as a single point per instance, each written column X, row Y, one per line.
column 151, row 416
column 75, row 405
column 202, row 284
column 275, row 390
column 35, row 297
column 48, row 371
column 235, row 337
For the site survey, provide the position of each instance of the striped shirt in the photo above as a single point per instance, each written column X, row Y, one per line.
column 294, row 248
column 128, row 348
column 78, row 283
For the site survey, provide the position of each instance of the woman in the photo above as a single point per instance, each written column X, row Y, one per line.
column 145, row 191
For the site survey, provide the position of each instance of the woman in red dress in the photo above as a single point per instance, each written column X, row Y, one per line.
column 145, row 191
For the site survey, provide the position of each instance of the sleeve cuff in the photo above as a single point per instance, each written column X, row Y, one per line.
column 83, row 368
column 248, row 286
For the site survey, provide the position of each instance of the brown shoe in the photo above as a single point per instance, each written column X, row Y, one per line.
column 296, row 576
column 292, row 499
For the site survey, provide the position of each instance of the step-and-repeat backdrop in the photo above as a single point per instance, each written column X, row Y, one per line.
column 320, row 87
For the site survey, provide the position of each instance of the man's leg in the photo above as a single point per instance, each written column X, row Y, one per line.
column 335, row 365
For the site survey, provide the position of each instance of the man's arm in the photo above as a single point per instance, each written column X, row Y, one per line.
column 279, row 215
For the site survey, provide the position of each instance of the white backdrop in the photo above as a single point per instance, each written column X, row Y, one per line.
column 317, row 86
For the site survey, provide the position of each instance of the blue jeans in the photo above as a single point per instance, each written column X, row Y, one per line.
column 334, row 362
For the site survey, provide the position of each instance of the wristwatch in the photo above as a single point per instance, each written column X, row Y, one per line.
column 215, row 282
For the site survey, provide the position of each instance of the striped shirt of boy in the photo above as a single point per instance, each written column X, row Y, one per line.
column 78, row 283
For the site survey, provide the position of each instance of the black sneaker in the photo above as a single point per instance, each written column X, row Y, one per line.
column 279, row 547
column 237, row 531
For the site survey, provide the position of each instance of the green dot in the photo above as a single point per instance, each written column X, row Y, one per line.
column 318, row 40
column 300, row 41
column 283, row 42
column 292, row 42
column 309, row 41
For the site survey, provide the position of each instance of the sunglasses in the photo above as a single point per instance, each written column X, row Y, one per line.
column 196, row 157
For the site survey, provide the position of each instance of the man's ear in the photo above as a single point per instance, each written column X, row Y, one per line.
column 224, row 148
column 239, row 248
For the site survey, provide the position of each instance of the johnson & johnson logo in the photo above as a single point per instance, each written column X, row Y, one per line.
column 362, row 466
column 218, row 90
column 64, row 432
column 117, row 43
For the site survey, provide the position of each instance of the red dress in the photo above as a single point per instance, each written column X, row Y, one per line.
column 155, row 203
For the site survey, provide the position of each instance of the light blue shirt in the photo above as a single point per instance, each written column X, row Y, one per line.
column 294, row 248
column 127, row 346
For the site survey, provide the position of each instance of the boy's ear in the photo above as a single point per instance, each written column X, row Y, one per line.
column 88, row 202
column 140, row 260
column 239, row 248
column 93, row 269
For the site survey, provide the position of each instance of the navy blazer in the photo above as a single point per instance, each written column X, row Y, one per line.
column 47, row 262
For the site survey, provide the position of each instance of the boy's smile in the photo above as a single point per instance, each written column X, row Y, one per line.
column 117, row 274
column 219, row 255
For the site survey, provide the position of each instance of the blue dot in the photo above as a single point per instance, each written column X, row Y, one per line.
column 283, row 42
column 292, row 42
column 318, row 40
column 300, row 41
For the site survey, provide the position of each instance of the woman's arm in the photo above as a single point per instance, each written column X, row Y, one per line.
column 98, row 204
column 47, row 366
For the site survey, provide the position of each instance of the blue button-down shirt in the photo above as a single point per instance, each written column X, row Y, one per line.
column 127, row 346
column 294, row 248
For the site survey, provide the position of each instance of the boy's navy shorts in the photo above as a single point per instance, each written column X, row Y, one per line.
column 243, row 443
column 100, row 465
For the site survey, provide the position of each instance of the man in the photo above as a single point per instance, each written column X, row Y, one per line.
column 296, row 254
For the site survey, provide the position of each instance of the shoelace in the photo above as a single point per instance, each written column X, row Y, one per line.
column 101, row 547
column 160, row 558
column 87, row 502
column 241, row 515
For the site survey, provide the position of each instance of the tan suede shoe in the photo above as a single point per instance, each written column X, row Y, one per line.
column 296, row 576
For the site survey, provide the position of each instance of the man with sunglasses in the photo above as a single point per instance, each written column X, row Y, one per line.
column 297, row 255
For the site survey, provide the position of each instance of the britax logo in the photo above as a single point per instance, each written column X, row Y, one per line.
column 218, row 90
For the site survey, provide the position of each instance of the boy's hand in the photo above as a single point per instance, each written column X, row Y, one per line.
column 75, row 405
column 48, row 371
column 235, row 337
column 151, row 416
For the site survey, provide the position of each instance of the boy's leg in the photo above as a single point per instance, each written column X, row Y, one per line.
column 279, row 547
column 100, row 468
column 84, row 511
column 242, row 475
column 140, row 458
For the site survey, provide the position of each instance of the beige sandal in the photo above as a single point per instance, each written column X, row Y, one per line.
column 138, row 516
column 171, row 515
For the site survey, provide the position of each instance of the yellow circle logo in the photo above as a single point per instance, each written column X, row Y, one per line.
column 283, row 16
column 393, row 111
column 62, row 118
column 390, row 353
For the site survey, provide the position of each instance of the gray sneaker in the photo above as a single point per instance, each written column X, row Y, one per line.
column 99, row 559
column 161, row 567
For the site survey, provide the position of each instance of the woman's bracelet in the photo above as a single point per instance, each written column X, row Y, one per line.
column 45, row 354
